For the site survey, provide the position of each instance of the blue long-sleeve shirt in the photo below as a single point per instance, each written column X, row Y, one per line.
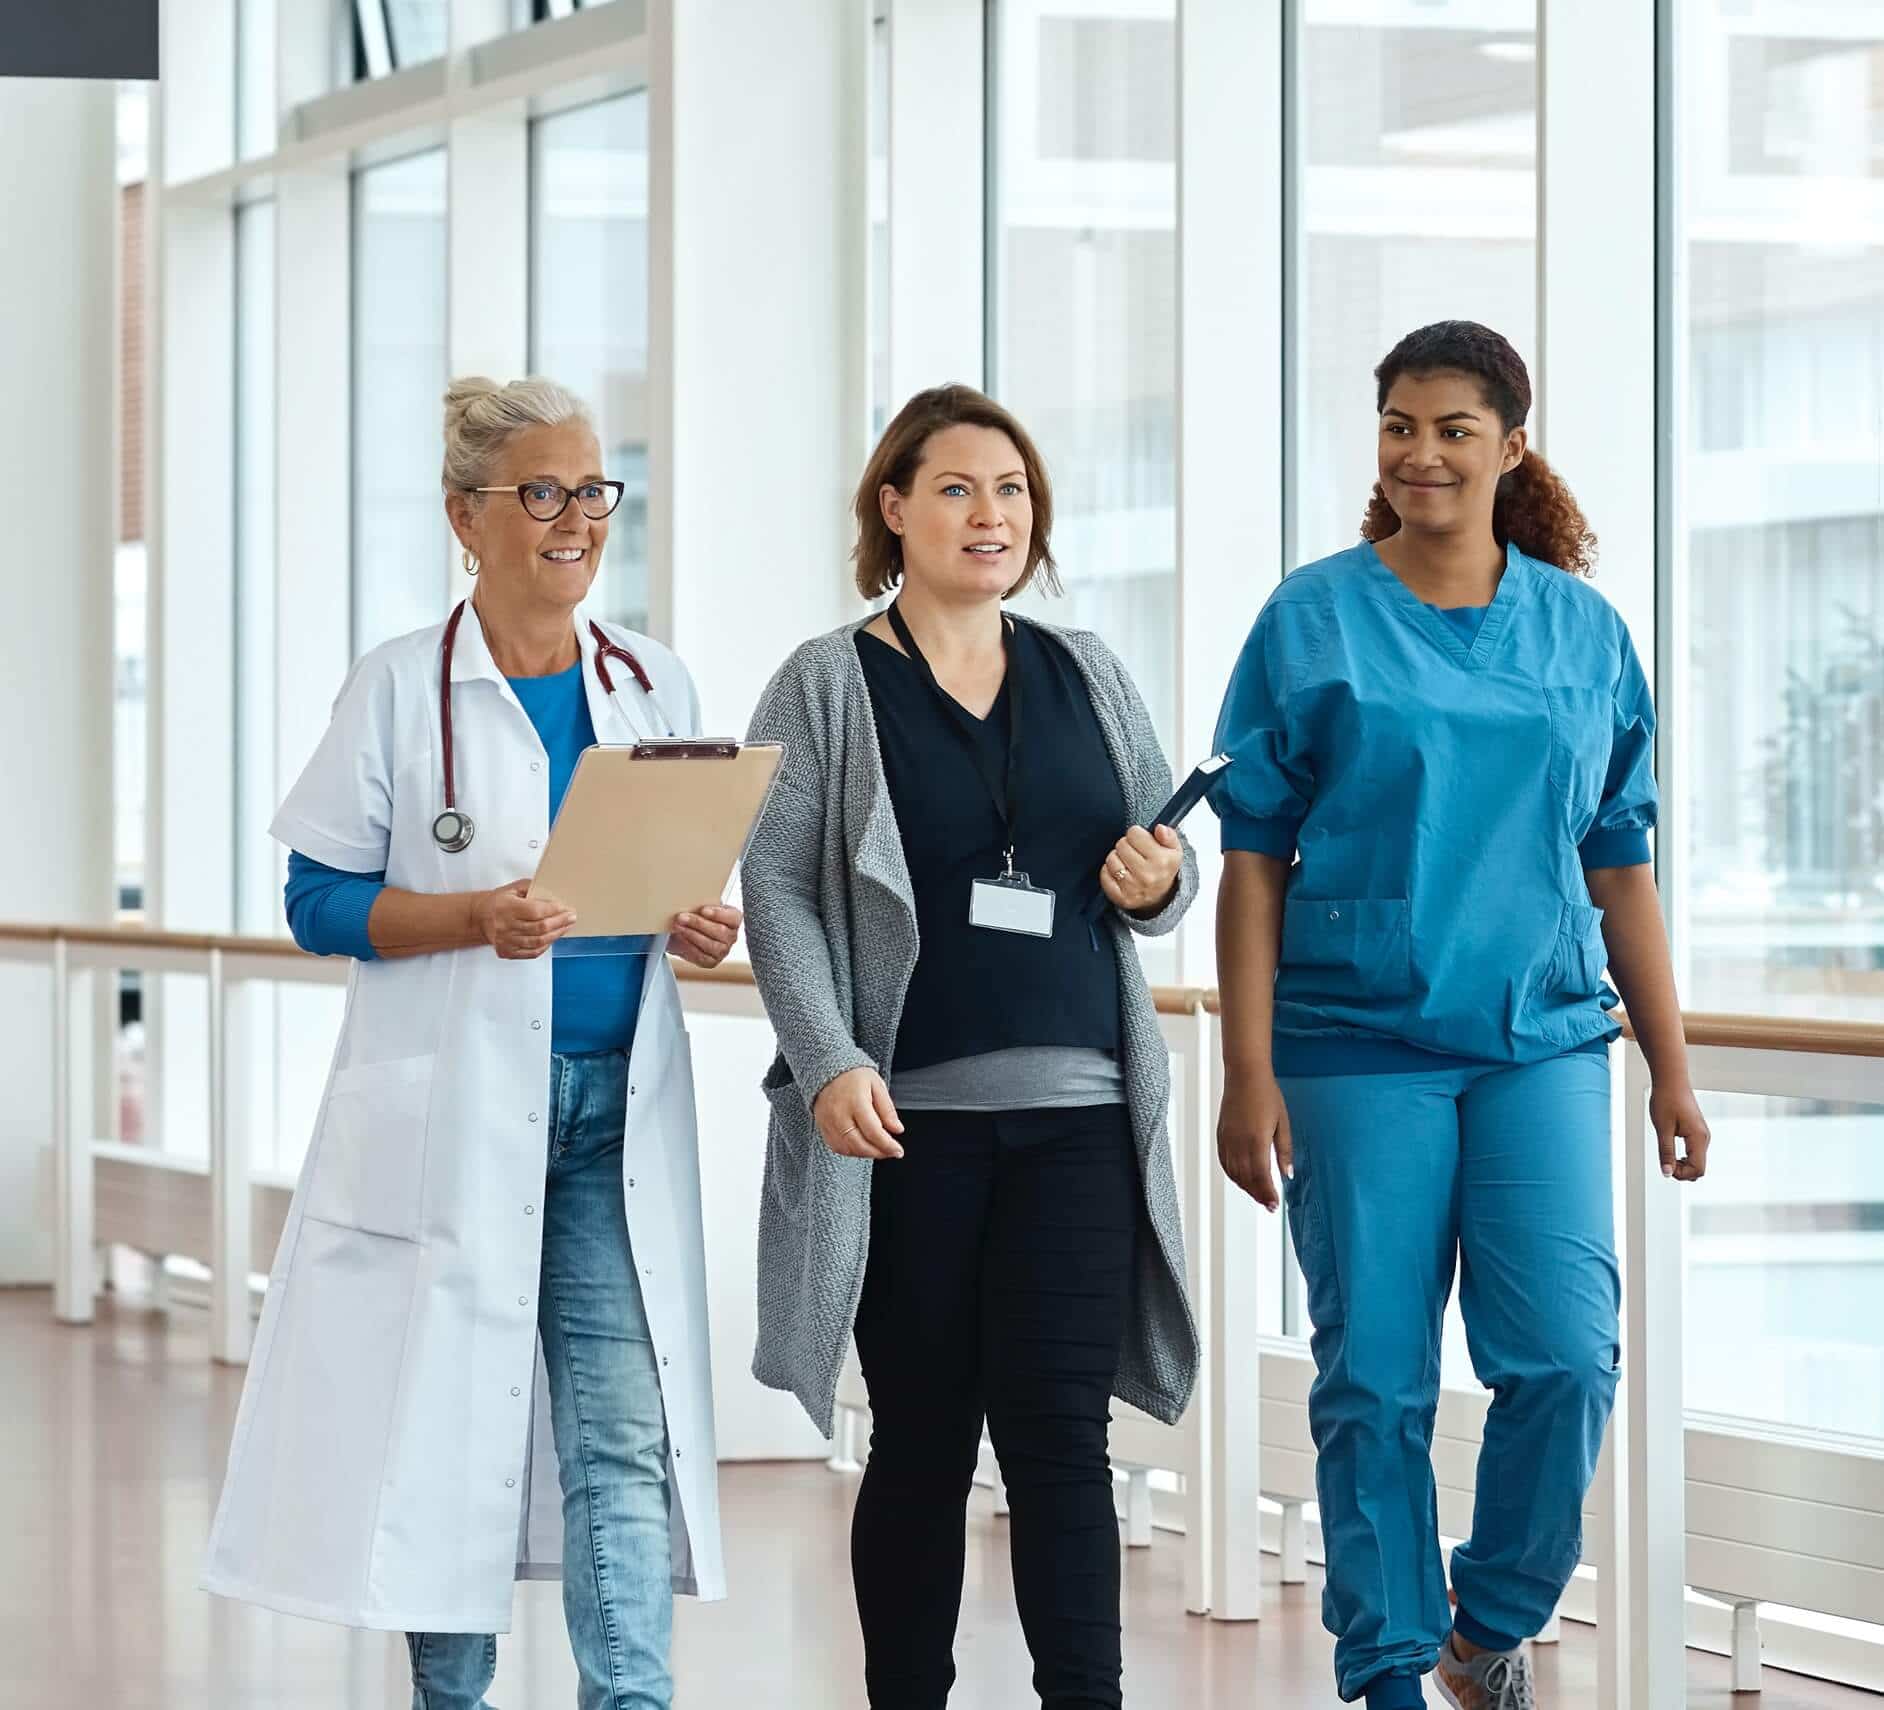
column 594, row 998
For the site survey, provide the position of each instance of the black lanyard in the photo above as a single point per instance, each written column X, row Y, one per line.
column 1003, row 792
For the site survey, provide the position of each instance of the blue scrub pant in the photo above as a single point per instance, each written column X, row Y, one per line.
column 1506, row 1170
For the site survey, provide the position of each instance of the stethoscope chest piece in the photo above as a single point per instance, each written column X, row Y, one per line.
column 452, row 831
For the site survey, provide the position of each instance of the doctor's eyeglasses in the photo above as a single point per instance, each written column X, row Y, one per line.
column 546, row 501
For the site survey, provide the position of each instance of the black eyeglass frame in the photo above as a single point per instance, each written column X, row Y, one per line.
column 615, row 488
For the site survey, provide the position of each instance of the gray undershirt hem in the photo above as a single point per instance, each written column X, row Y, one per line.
column 1028, row 1077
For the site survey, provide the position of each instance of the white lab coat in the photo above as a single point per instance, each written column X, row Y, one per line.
column 392, row 1464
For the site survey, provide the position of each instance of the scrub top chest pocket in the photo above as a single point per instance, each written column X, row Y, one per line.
column 1582, row 728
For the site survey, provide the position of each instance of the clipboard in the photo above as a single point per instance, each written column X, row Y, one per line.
column 650, row 830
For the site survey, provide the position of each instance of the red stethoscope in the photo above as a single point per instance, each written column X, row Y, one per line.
column 453, row 829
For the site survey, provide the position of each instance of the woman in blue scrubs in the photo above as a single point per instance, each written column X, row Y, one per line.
column 1436, row 839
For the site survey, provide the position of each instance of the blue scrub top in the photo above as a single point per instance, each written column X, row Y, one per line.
column 1444, row 791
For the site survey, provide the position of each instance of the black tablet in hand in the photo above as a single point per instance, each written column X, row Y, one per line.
column 1192, row 790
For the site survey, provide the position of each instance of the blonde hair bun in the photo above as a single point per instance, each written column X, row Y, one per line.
column 481, row 416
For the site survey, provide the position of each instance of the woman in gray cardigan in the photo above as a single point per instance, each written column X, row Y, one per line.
column 967, row 1163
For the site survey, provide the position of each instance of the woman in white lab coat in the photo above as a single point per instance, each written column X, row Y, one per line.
column 484, row 1346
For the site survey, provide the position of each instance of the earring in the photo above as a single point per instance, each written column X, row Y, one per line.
column 469, row 560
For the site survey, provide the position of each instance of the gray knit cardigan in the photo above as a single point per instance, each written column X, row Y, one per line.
column 831, row 920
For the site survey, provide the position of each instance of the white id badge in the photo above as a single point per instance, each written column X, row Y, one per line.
column 1011, row 904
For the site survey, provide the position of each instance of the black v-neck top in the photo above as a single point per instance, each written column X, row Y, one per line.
column 976, row 990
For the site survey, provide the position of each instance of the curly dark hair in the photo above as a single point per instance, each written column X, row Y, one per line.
column 1534, row 510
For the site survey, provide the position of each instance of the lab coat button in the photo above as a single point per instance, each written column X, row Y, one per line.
column 536, row 765
column 631, row 1181
column 533, row 1116
column 523, row 1300
column 510, row 1484
column 515, row 1391
column 529, row 1211
column 533, row 843
column 536, row 1027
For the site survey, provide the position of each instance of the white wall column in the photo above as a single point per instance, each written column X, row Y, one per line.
column 937, row 283
column 1596, row 227
column 758, row 408
column 1597, row 424
column 1230, row 400
column 487, row 226
column 313, row 440
column 58, row 343
column 758, row 249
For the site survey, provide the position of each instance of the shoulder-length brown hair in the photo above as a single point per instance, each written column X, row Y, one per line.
column 878, row 552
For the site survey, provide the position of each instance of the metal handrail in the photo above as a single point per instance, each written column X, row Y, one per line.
column 1818, row 1036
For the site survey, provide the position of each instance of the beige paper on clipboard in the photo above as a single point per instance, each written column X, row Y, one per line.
column 651, row 831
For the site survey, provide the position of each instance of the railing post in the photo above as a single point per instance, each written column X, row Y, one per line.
column 75, row 1268
column 843, row 1455
column 1612, row 1571
column 1138, row 1508
column 1294, row 1543
column 1655, row 1503
column 1236, row 1387
column 1746, row 1647
column 229, row 1195
column 1195, row 1115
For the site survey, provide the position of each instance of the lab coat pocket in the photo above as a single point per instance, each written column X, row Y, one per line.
column 1576, row 970
column 1349, row 949
column 368, row 1164
column 1582, row 726
column 789, row 1133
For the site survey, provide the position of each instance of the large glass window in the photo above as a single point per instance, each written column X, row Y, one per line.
column 1785, row 1297
column 1415, row 153
column 1780, row 537
column 541, row 11
column 589, row 308
column 1085, row 307
column 400, row 538
column 1417, row 144
column 1778, row 681
column 130, row 622
column 130, row 601
column 389, row 34
column 255, row 84
column 257, row 864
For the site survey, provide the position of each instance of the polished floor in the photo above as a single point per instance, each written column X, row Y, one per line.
column 111, row 1446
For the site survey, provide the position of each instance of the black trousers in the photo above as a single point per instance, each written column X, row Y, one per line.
column 1001, row 1257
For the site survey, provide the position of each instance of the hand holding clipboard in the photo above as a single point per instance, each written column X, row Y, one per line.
column 646, row 830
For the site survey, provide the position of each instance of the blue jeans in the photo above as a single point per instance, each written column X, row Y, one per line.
column 611, row 1432
column 1504, row 1171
